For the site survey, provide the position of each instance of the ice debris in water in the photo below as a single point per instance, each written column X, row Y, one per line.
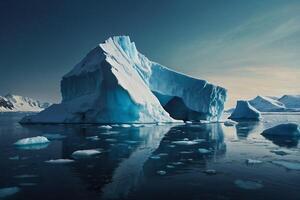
column 32, row 141
column 59, row 161
column 155, row 157
column 203, row 150
column 54, row 136
column 280, row 152
column 210, row 172
column 285, row 130
column 290, row 165
column 185, row 142
column 230, row 123
column 93, row 138
column 188, row 122
column 161, row 172
column 85, row 153
column 125, row 125
column 248, row 185
column 8, row 191
column 252, row 161
column 105, row 127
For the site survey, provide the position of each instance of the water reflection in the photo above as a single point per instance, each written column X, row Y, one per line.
column 244, row 129
column 288, row 142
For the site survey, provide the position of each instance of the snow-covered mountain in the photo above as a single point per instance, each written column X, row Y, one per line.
column 291, row 101
column 115, row 83
column 267, row 104
column 16, row 103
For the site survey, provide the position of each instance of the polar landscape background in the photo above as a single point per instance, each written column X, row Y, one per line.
column 252, row 51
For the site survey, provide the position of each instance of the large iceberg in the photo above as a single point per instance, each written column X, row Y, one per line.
column 115, row 83
column 267, row 104
column 290, row 101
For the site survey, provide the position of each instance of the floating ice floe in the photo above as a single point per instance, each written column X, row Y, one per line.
column 105, row 127
column 8, row 191
column 252, row 161
column 59, row 161
column 290, row 165
column 210, row 172
column 93, row 138
column 111, row 140
column 230, row 123
column 161, row 172
column 284, row 130
column 32, row 141
column 188, row 122
column 85, row 153
column 155, row 157
column 185, row 142
column 170, row 166
column 203, row 151
column 248, row 185
column 280, row 152
column 137, row 125
column 125, row 125
column 54, row 136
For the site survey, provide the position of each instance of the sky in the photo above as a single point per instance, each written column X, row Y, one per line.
column 249, row 47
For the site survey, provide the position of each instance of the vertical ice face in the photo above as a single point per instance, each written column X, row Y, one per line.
column 114, row 83
column 244, row 111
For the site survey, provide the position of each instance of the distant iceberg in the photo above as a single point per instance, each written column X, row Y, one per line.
column 267, row 104
column 244, row 111
column 115, row 83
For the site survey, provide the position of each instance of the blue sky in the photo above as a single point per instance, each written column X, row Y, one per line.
column 249, row 47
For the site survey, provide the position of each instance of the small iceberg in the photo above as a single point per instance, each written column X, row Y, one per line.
column 244, row 111
column 283, row 130
column 85, row 153
column 32, row 141
column 105, row 127
column 203, row 151
column 229, row 123
column 93, row 138
column 161, row 172
column 54, row 136
column 59, row 161
column 290, row 165
column 125, row 125
column 8, row 191
column 248, row 185
column 253, row 162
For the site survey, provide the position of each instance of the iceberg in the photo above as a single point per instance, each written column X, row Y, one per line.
column 8, row 191
column 244, row 111
column 115, row 83
column 290, row 101
column 59, row 161
column 38, row 140
column 85, row 153
column 267, row 104
column 283, row 130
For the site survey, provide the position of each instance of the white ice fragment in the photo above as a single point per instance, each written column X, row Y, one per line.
column 161, row 172
column 32, row 141
column 252, row 161
column 105, row 127
column 184, row 142
column 203, row 151
column 93, row 138
column 155, row 157
column 248, row 185
column 188, row 122
column 125, row 125
column 59, row 161
column 280, row 152
column 85, row 153
column 291, row 165
column 210, row 172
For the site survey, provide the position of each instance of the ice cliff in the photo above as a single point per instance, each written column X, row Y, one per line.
column 115, row 83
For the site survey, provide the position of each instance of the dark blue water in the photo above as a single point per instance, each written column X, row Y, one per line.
column 149, row 163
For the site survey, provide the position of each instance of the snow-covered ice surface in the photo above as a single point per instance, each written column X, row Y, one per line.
column 120, row 85
column 291, row 101
column 244, row 111
column 267, row 104
column 32, row 141
column 147, row 162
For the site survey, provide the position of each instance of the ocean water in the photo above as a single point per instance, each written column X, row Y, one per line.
column 194, row 161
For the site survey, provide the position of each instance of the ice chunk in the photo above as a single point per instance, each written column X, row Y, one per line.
column 185, row 142
column 105, row 127
column 93, row 138
column 59, row 161
column 115, row 83
column 85, row 153
column 230, row 123
column 8, row 191
column 210, row 172
column 32, row 141
column 291, row 165
column 203, row 151
column 161, row 172
column 244, row 111
column 252, row 161
column 285, row 130
column 280, row 152
column 125, row 125
column 248, row 185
